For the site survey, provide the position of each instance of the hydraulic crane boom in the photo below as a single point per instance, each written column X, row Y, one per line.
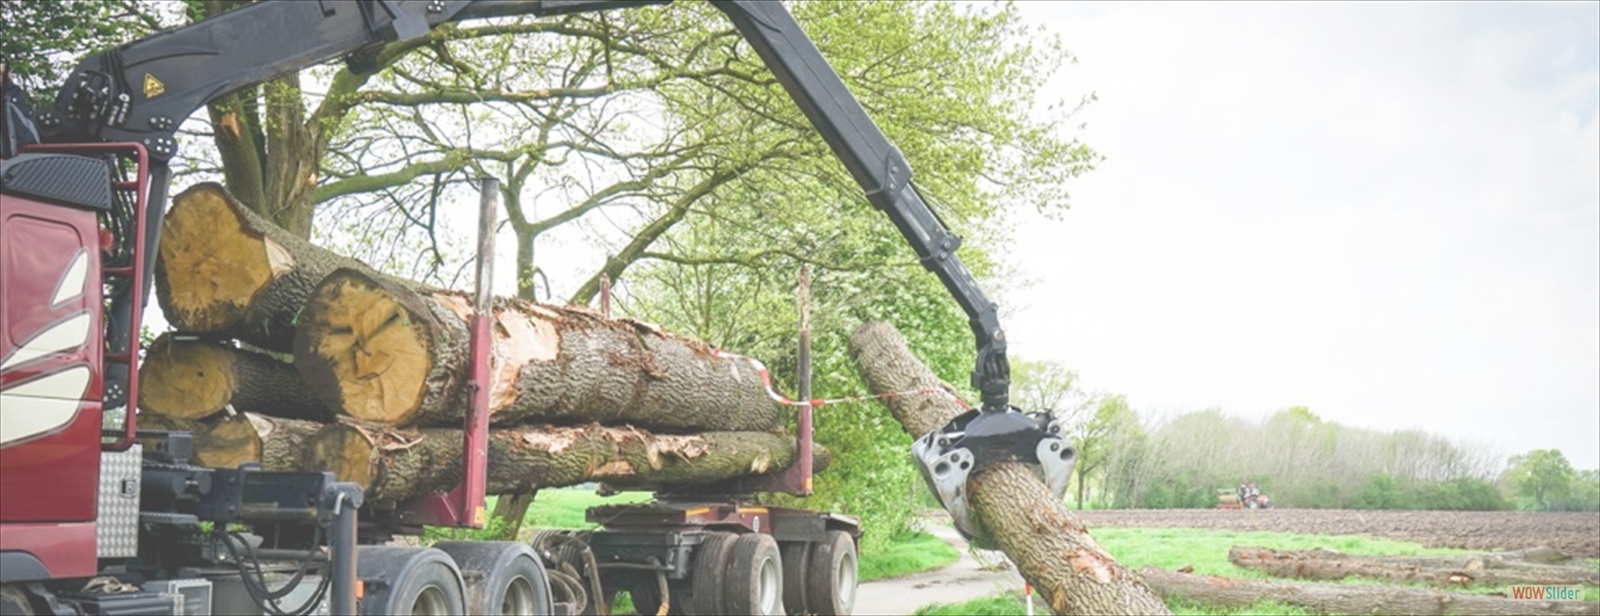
column 142, row 91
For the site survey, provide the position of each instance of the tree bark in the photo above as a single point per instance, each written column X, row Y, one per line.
column 396, row 464
column 193, row 379
column 1347, row 598
column 225, row 271
column 1469, row 570
column 279, row 445
column 1050, row 547
column 396, row 353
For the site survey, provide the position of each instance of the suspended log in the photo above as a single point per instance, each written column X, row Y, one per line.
column 1050, row 547
column 225, row 271
column 279, row 445
column 396, row 353
column 193, row 379
column 1470, row 570
column 1323, row 598
column 396, row 464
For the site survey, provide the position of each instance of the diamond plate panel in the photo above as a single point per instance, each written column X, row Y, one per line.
column 117, row 530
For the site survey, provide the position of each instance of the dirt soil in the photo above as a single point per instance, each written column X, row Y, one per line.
column 1577, row 534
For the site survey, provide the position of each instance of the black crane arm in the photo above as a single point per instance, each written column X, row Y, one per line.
column 142, row 91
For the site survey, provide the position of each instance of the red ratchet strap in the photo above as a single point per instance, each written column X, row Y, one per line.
column 766, row 381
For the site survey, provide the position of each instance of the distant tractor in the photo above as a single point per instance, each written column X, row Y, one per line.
column 1246, row 496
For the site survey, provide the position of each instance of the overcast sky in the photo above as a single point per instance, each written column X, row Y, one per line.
column 1389, row 213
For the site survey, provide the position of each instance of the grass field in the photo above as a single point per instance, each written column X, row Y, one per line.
column 1207, row 552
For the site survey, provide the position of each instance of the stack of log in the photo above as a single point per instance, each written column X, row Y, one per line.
column 1421, row 584
column 300, row 359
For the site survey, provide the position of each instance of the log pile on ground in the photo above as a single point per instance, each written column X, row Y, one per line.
column 1051, row 549
column 1326, row 598
column 1491, row 569
column 378, row 386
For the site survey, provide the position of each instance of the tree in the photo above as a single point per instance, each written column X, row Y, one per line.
column 1542, row 474
column 1046, row 386
column 1093, row 438
column 44, row 39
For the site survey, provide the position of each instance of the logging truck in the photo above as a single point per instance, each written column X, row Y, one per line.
column 102, row 515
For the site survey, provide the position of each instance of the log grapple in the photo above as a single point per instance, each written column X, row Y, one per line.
column 975, row 440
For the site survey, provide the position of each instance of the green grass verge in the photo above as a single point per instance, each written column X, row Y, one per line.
column 566, row 508
column 912, row 553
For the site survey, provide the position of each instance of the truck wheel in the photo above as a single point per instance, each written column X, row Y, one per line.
column 705, row 592
column 832, row 575
column 506, row 577
column 13, row 602
column 755, row 576
column 418, row 581
column 795, row 556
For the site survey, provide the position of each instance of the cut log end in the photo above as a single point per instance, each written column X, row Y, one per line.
column 345, row 452
column 375, row 348
column 186, row 379
column 213, row 266
column 230, row 442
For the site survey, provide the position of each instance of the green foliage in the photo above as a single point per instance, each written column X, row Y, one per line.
column 727, row 273
column 1381, row 492
column 43, row 40
column 907, row 554
column 1460, row 494
column 1543, row 475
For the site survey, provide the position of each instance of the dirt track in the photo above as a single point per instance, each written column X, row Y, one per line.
column 1577, row 534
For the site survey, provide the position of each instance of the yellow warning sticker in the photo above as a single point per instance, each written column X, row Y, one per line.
column 152, row 86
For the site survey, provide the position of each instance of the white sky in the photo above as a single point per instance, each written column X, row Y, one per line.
column 1389, row 213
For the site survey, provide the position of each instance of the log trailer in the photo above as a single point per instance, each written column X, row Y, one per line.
column 100, row 517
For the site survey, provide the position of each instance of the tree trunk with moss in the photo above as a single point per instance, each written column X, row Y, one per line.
column 194, row 379
column 1051, row 548
column 226, row 272
column 397, row 464
column 396, row 353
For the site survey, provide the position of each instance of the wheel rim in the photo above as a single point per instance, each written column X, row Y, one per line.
column 771, row 588
column 847, row 581
column 519, row 597
column 431, row 602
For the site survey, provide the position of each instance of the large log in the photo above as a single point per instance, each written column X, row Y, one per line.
column 396, row 464
column 225, row 271
column 193, row 379
column 1468, row 570
column 279, row 445
column 395, row 353
column 1323, row 598
column 1050, row 547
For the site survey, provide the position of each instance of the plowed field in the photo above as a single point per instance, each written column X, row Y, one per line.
column 1577, row 534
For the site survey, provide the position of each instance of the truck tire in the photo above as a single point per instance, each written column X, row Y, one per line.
column 755, row 576
column 796, row 555
column 831, row 574
column 416, row 581
column 710, row 561
column 503, row 577
column 14, row 602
